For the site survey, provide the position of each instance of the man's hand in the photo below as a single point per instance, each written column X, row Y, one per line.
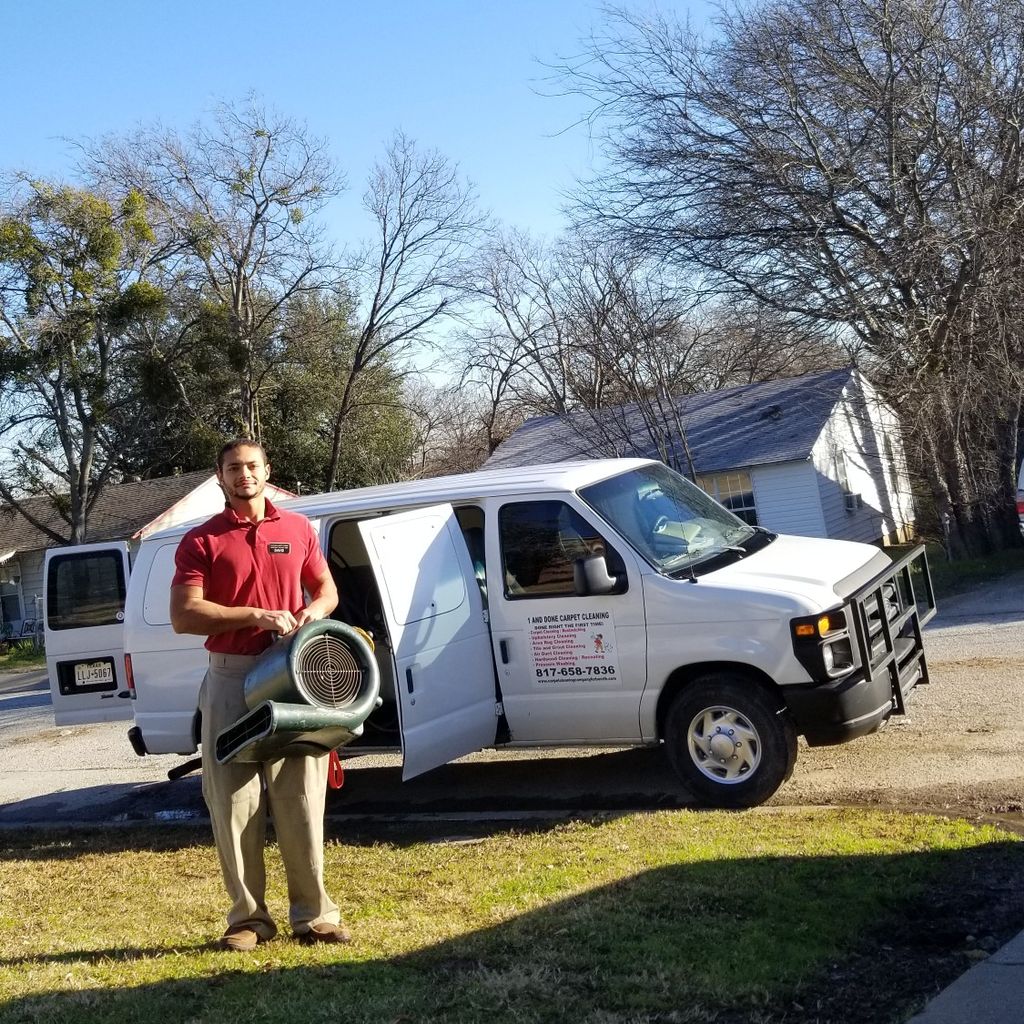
column 308, row 614
column 277, row 621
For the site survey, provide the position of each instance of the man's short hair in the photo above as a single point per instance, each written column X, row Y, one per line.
column 239, row 442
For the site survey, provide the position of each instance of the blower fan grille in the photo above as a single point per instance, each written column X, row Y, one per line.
column 328, row 672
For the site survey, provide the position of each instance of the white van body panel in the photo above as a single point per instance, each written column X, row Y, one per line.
column 86, row 662
column 444, row 676
column 552, row 705
column 808, row 568
column 740, row 614
column 168, row 667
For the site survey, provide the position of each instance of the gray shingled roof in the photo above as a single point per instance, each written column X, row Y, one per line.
column 749, row 425
column 119, row 511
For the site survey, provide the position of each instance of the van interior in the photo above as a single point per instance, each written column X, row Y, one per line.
column 360, row 605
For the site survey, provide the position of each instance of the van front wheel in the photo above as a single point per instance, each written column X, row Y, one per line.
column 731, row 742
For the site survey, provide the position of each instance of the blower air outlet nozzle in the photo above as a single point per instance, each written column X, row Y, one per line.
column 309, row 693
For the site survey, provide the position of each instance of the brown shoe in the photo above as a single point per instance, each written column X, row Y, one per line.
column 240, row 938
column 325, row 932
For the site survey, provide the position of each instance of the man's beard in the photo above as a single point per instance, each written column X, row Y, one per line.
column 238, row 491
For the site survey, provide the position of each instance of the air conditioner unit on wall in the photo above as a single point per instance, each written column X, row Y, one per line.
column 853, row 502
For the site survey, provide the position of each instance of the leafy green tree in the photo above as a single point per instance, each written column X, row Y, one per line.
column 73, row 282
column 185, row 365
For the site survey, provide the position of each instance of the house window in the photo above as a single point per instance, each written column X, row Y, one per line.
column 852, row 501
column 733, row 490
column 891, row 467
column 10, row 594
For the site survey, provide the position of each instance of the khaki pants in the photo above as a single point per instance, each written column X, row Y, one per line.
column 237, row 795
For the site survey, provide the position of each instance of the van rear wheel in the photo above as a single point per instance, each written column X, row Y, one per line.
column 730, row 740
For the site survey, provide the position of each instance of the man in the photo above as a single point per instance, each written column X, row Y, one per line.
column 239, row 581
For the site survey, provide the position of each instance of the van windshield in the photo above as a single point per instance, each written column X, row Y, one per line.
column 667, row 519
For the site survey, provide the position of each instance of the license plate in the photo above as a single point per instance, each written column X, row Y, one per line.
column 89, row 672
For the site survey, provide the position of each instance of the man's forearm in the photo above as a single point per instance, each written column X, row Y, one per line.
column 323, row 606
column 321, row 603
column 207, row 618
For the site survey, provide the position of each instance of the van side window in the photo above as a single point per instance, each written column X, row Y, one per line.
column 541, row 541
column 85, row 589
column 471, row 521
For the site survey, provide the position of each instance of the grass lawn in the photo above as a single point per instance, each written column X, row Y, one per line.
column 21, row 656
column 672, row 916
column 956, row 577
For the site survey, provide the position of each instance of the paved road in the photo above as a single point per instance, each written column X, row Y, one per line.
column 961, row 748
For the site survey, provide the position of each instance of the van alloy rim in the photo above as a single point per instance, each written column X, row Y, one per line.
column 723, row 744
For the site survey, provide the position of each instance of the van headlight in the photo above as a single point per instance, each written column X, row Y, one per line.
column 821, row 644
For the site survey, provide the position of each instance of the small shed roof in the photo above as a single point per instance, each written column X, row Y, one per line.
column 750, row 425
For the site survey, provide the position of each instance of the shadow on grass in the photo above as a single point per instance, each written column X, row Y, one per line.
column 806, row 938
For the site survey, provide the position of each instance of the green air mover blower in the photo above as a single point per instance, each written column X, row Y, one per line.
column 309, row 693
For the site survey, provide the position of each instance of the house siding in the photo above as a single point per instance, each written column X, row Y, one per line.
column 32, row 581
column 787, row 500
column 29, row 568
column 864, row 436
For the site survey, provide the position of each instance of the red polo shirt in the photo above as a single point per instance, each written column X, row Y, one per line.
column 255, row 565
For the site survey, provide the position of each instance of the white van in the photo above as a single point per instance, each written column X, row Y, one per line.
column 606, row 602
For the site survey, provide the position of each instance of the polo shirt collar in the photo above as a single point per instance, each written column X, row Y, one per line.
column 270, row 511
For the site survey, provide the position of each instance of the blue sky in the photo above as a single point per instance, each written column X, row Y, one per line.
column 461, row 76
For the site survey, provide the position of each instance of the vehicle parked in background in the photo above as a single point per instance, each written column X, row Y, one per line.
column 608, row 602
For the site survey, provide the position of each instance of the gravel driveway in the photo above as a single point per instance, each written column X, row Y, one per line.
column 961, row 748
column 962, row 744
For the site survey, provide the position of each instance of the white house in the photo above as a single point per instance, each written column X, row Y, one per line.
column 128, row 512
column 818, row 456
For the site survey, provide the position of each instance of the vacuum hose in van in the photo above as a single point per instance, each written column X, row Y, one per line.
column 309, row 693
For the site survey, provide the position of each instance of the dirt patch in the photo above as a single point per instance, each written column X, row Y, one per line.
column 48, row 737
column 958, row 922
column 971, row 662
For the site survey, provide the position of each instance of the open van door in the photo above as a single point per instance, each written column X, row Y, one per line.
column 84, row 632
column 445, row 677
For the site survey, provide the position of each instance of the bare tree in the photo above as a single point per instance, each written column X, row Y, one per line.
column 413, row 278
column 593, row 333
column 847, row 163
column 459, row 427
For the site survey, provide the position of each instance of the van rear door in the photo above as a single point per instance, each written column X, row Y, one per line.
column 84, row 632
column 434, row 611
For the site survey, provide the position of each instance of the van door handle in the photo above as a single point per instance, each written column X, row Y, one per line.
column 408, row 679
column 503, row 647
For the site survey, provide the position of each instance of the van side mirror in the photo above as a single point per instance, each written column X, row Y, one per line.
column 591, row 576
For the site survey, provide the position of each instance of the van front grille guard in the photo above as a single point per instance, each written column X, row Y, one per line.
column 889, row 612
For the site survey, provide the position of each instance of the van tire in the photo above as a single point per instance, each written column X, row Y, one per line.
column 754, row 738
